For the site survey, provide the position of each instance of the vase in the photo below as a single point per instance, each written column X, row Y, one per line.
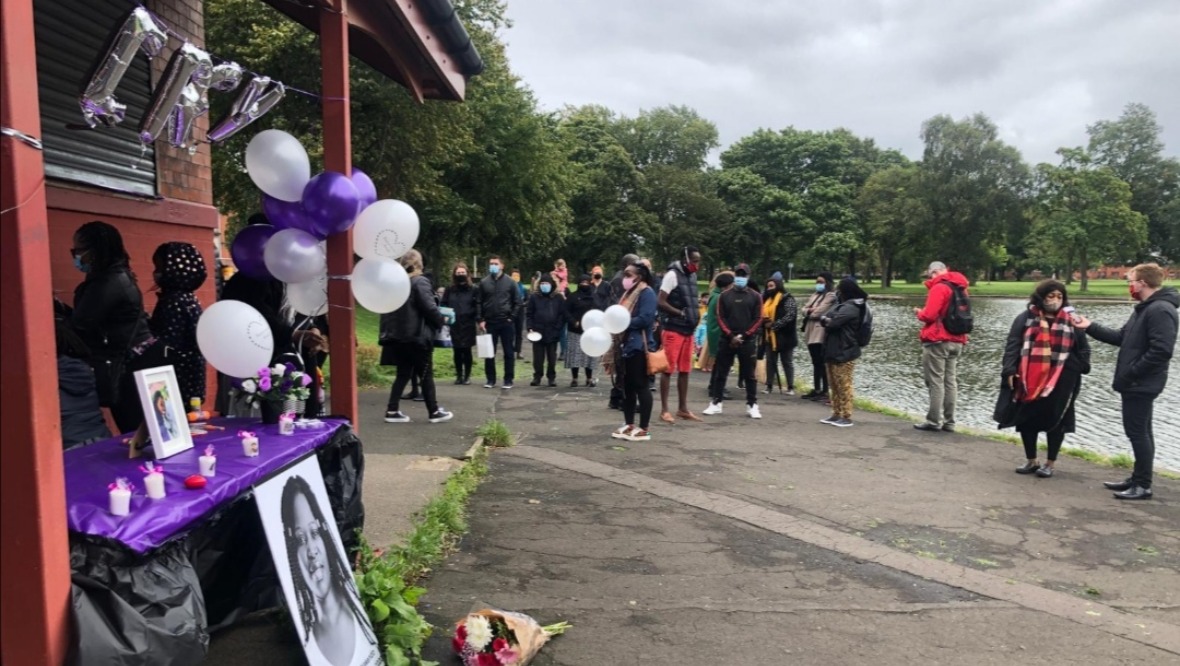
column 271, row 409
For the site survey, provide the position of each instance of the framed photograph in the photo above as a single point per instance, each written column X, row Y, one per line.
column 163, row 411
column 313, row 568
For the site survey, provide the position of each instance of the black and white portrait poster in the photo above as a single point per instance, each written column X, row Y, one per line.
column 313, row 569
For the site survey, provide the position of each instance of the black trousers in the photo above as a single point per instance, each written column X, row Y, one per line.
column 636, row 392
column 463, row 362
column 519, row 322
column 1029, row 439
column 503, row 334
column 745, row 360
column 1137, row 415
column 819, row 380
column 413, row 361
column 542, row 352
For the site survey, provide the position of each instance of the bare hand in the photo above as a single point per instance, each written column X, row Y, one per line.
column 1081, row 322
column 917, row 311
column 1012, row 382
column 483, row 328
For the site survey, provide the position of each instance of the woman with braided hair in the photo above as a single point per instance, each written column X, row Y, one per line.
column 330, row 617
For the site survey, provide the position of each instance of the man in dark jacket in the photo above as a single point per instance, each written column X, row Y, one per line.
column 678, row 305
column 1145, row 343
column 407, row 341
column 495, row 308
column 739, row 314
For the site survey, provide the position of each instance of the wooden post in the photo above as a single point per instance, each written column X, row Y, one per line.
column 35, row 567
column 338, row 157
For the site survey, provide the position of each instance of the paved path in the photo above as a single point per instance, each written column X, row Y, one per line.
column 750, row 542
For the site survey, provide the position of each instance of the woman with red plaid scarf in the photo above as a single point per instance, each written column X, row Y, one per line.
column 1044, row 360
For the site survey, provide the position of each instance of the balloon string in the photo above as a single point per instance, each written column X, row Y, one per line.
column 218, row 58
column 39, row 187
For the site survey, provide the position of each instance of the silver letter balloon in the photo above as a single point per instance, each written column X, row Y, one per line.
column 138, row 32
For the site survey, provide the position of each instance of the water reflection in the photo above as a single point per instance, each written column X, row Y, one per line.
column 890, row 372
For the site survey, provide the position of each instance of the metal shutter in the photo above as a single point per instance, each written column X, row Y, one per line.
column 71, row 36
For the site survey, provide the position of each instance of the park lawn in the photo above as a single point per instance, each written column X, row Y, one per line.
column 1013, row 289
column 369, row 372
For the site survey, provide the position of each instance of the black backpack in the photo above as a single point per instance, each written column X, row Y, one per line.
column 864, row 333
column 958, row 319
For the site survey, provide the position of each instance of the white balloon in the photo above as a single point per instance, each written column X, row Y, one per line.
column 593, row 319
column 278, row 164
column 380, row 286
column 385, row 229
column 596, row 342
column 616, row 319
column 309, row 298
column 294, row 256
column 234, row 338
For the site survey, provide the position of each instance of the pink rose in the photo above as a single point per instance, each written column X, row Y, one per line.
column 507, row 656
column 306, row 379
column 264, row 382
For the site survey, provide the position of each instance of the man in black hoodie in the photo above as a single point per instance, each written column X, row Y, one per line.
column 495, row 309
column 1145, row 345
column 739, row 314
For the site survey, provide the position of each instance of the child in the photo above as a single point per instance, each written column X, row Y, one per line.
column 546, row 315
column 179, row 271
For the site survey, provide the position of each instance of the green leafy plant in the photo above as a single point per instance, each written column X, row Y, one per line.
column 495, row 433
column 386, row 580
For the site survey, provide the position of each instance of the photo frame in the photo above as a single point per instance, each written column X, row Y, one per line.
column 313, row 568
column 163, row 411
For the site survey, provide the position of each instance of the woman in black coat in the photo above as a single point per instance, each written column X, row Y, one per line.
column 1044, row 360
column 577, row 304
column 460, row 297
column 109, row 318
column 546, row 315
column 407, row 341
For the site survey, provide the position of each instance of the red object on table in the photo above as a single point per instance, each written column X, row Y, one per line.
column 195, row 482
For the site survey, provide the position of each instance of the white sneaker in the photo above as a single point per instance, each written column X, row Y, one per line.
column 753, row 411
column 790, row 391
column 712, row 409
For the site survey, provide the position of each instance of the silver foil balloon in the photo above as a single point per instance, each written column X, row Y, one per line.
column 194, row 101
column 138, row 33
column 173, row 106
column 257, row 97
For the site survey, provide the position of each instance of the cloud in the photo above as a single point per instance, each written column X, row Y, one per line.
column 1041, row 70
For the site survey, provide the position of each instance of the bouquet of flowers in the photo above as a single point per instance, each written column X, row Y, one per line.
column 491, row 637
column 280, row 383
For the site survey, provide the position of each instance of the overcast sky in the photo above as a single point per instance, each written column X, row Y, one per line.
column 1041, row 69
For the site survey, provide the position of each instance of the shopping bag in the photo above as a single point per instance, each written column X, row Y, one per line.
column 705, row 359
column 484, row 346
column 443, row 337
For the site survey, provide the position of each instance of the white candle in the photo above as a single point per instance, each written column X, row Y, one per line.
column 153, row 483
column 120, row 501
column 250, row 446
column 287, row 424
column 208, row 465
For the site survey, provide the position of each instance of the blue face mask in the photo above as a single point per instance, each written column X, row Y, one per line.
column 741, row 282
column 546, row 287
column 819, row 287
column 79, row 265
column 494, row 269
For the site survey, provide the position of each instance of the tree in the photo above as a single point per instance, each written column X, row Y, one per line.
column 973, row 185
column 894, row 214
column 761, row 218
column 1132, row 149
column 1084, row 213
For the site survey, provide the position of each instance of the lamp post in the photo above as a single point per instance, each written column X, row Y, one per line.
column 790, row 271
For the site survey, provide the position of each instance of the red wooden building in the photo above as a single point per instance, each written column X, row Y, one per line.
column 55, row 175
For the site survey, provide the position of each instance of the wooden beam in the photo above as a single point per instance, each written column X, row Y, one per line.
column 35, row 567
column 338, row 157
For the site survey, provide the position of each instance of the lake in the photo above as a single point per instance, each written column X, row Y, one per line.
column 890, row 373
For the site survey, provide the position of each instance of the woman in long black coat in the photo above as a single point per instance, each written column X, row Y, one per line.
column 460, row 297
column 1044, row 360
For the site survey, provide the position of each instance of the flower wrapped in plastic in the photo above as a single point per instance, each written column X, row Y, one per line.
column 490, row 637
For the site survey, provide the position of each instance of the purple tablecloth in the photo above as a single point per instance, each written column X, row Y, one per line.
column 91, row 469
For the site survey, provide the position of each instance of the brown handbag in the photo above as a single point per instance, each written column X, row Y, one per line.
column 657, row 361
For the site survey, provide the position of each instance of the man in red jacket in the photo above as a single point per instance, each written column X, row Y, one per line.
column 941, row 349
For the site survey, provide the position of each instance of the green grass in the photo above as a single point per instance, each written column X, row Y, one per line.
column 369, row 373
column 1005, row 288
column 494, row 433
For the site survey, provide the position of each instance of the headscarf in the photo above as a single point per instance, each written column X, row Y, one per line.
column 180, row 267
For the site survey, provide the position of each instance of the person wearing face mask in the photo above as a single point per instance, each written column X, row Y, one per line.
column 1044, row 360
column 628, row 353
column 109, row 318
column 780, row 339
column 601, row 289
column 577, row 304
column 842, row 347
column 460, row 296
column 818, row 303
column 1146, row 344
column 546, row 316
column 496, row 303
column 739, row 314
column 678, row 309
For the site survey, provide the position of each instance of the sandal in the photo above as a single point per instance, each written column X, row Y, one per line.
column 623, row 432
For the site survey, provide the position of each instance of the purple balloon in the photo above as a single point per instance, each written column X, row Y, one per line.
column 332, row 202
column 286, row 214
column 247, row 250
column 365, row 186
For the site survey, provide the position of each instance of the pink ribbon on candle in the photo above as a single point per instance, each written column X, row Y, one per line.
column 122, row 484
column 152, row 469
column 209, row 451
column 245, row 433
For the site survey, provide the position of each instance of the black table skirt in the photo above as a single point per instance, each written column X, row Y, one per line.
column 158, row 608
